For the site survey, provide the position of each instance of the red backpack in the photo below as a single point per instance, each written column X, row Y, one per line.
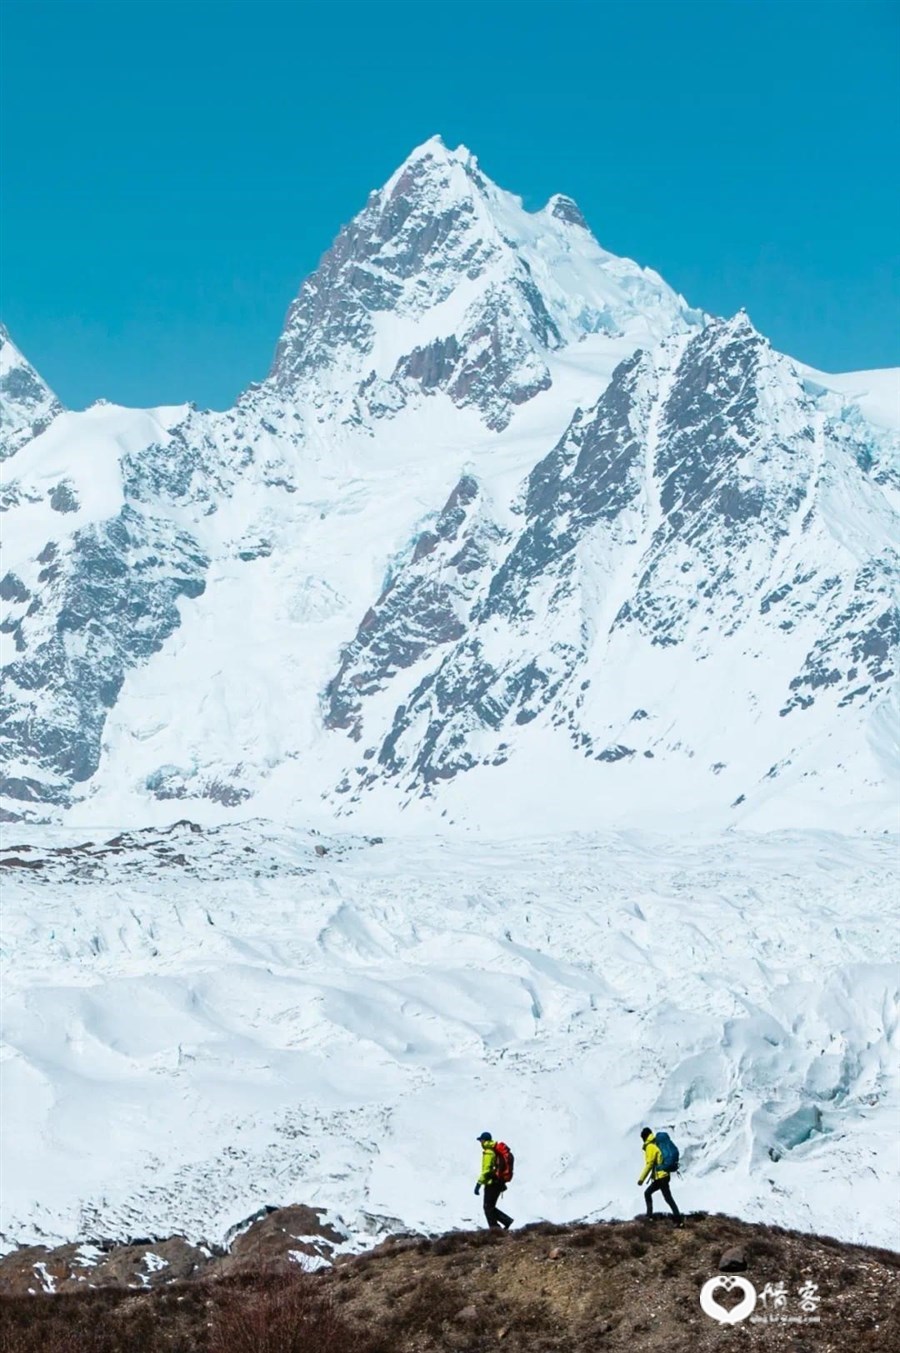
column 504, row 1163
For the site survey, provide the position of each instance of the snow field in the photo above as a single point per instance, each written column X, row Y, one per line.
column 180, row 1051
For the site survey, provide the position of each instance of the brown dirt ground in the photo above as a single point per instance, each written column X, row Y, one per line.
column 614, row 1287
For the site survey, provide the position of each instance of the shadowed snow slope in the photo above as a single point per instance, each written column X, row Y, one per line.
column 197, row 1023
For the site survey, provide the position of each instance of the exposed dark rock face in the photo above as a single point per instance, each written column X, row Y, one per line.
column 401, row 233
column 93, row 611
column 587, row 481
column 417, row 242
column 564, row 209
column 590, row 478
column 425, row 607
column 190, row 467
column 732, row 474
column 494, row 366
column 710, row 423
column 858, row 652
column 27, row 404
column 687, row 503
column 63, row 497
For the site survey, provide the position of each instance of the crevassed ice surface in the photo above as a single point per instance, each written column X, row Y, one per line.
column 262, row 1025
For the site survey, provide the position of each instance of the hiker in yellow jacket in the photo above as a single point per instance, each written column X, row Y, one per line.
column 659, row 1176
column 492, row 1186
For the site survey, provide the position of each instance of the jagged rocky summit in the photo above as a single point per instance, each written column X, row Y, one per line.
column 508, row 521
column 27, row 404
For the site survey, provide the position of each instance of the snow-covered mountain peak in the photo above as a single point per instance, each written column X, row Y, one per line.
column 563, row 208
column 435, row 162
column 739, row 326
column 503, row 500
column 27, row 404
column 445, row 283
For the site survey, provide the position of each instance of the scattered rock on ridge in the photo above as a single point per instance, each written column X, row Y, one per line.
column 294, row 1234
column 247, row 848
column 615, row 1288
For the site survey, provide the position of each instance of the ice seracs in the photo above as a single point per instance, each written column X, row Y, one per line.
column 197, row 1024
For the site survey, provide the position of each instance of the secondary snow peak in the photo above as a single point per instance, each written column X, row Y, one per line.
column 564, row 208
column 438, row 153
column 27, row 404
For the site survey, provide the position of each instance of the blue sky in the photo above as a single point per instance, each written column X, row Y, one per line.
column 172, row 171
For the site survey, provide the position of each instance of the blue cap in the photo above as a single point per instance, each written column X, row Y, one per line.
column 485, row 1137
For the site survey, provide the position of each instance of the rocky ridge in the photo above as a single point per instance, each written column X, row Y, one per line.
column 559, row 1289
column 27, row 404
column 692, row 508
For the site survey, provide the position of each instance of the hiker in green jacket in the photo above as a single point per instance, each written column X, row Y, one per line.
column 653, row 1166
column 491, row 1185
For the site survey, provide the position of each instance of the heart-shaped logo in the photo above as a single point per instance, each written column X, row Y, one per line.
column 728, row 1283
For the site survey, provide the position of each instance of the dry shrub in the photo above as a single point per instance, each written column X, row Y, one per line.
column 433, row 1301
column 88, row 1322
column 427, row 1316
column 476, row 1240
column 761, row 1248
column 890, row 1258
column 289, row 1314
column 456, row 1241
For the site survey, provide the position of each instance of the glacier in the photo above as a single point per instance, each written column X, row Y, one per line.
column 199, row 1021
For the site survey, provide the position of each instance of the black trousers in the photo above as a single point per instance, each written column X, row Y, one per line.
column 494, row 1216
column 660, row 1186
